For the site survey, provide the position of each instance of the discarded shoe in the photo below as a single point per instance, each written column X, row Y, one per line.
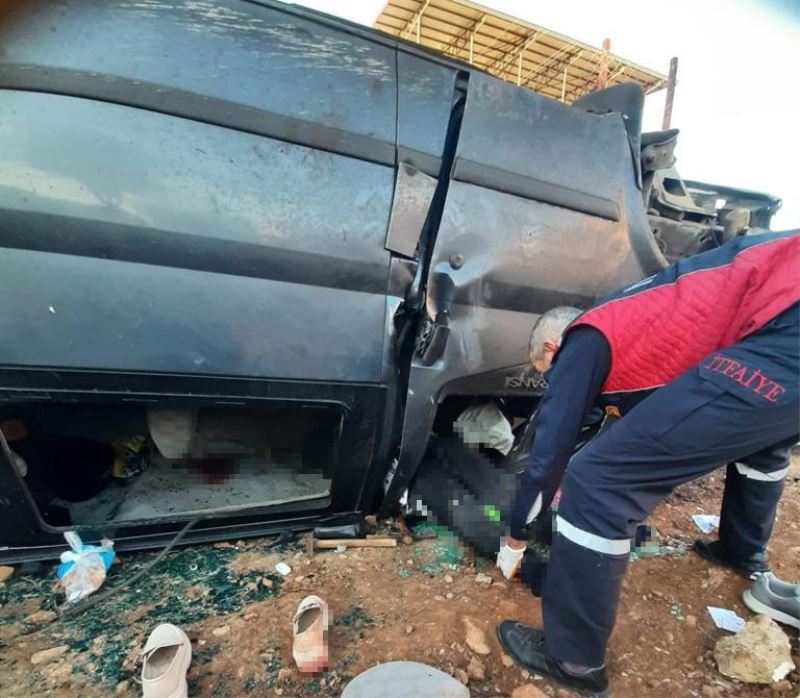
column 774, row 598
column 716, row 552
column 526, row 647
column 310, row 626
column 167, row 655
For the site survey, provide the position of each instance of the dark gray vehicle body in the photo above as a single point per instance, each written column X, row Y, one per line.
column 244, row 201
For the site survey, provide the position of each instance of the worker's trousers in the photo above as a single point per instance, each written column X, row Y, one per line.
column 713, row 414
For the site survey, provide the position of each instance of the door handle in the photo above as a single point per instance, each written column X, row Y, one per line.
column 435, row 330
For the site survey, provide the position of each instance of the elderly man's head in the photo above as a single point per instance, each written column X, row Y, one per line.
column 546, row 335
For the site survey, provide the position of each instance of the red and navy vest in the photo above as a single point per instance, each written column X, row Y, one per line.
column 662, row 326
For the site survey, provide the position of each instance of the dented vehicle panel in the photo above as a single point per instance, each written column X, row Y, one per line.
column 205, row 204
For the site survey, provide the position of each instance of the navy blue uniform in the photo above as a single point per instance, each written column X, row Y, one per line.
column 738, row 405
column 571, row 394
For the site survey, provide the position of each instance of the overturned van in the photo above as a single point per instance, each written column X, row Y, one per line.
column 252, row 255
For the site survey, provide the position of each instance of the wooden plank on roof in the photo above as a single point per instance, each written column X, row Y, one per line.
column 511, row 49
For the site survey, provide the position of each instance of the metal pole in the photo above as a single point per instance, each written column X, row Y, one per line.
column 564, row 84
column 519, row 68
column 471, row 47
column 671, row 81
column 602, row 75
column 419, row 25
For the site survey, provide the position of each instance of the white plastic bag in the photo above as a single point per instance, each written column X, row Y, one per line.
column 485, row 424
column 83, row 569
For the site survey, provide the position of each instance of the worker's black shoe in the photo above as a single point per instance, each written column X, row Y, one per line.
column 526, row 647
column 716, row 551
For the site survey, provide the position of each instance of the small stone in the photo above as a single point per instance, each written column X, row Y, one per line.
column 448, row 579
column 438, row 597
column 99, row 646
column 225, row 545
column 409, row 629
column 658, row 595
column 409, row 562
column 475, row 637
column 278, row 691
column 449, row 595
column 716, row 576
column 759, row 653
column 284, row 674
column 461, row 676
column 564, row 693
column 507, row 661
column 122, row 687
column 58, row 673
column 528, row 691
column 709, row 691
column 41, row 617
column 483, row 579
column 266, row 582
column 476, row 670
column 691, row 621
column 5, row 572
column 48, row 655
column 525, row 674
column 782, row 688
column 222, row 631
column 192, row 592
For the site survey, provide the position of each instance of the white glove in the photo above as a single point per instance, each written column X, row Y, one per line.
column 509, row 560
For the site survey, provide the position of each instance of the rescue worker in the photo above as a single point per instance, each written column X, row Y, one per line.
column 701, row 361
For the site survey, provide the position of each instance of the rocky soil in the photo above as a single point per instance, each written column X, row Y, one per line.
column 430, row 601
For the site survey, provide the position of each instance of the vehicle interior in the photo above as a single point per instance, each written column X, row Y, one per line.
column 89, row 465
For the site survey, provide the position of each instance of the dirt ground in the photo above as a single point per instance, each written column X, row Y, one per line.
column 403, row 603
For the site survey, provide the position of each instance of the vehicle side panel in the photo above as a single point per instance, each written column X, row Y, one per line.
column 542, row 210
column 147, row 242
column 256, row 67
